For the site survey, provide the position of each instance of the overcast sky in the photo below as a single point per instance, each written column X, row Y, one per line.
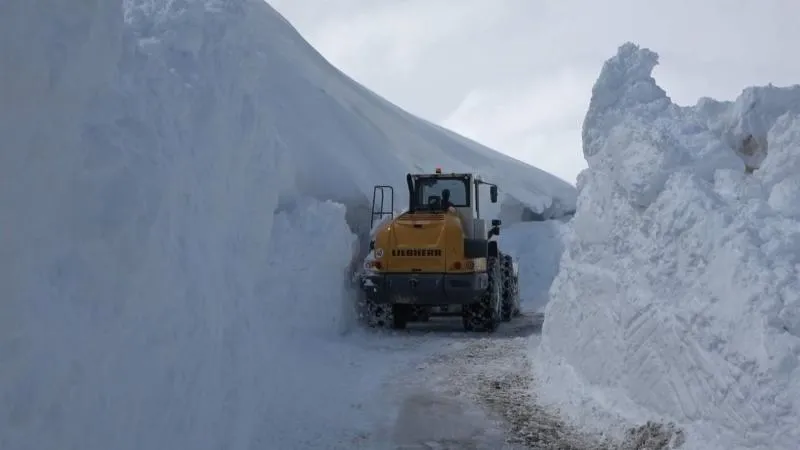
column 516, row 75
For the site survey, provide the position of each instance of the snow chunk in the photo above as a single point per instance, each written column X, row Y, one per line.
column 745, row 123
column 782, row 161
column 307, row 291
column 784, row 195
column 678, row 295
column 635, row 134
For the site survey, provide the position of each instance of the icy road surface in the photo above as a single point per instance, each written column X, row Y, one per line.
column 449, row 389
column 439, row 398
column 455, row 390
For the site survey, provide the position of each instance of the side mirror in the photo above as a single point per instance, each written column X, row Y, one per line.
column 496, row 222
column 493, row 193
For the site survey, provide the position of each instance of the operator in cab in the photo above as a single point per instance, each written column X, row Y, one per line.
column 446, row 204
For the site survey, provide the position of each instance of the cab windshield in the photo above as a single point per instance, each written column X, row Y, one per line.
column 430, row 191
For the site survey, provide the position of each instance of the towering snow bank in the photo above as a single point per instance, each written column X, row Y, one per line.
column 166, row 239
column 340, row 138
column 678, row 295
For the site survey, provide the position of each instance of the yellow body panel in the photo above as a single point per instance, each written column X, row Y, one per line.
column 424, row 243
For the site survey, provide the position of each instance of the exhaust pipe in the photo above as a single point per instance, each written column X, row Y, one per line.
column 410, row 182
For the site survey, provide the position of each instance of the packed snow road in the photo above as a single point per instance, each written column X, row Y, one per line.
column 452, row 390
column 449, row 389
column 437, row 399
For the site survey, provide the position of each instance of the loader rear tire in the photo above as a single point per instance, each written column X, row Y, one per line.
column 510, row 289
column 484, row 315
column 420, row 314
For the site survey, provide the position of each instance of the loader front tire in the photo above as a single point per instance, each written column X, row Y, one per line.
column 400, row 316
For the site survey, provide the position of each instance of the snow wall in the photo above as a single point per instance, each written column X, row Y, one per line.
column 176, row 184
column 678, row 296
column 537, row 247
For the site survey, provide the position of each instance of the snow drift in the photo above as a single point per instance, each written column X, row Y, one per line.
column 167, row 172
column 678, row 296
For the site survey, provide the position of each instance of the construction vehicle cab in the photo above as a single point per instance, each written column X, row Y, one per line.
column 438, row 192
column 438, row 254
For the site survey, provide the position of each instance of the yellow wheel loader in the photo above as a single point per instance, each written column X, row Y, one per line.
column 438, row 256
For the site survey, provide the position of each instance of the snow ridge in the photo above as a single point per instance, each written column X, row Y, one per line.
column 678, row 296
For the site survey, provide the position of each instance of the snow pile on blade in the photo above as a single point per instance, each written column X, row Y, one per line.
column 678, row 297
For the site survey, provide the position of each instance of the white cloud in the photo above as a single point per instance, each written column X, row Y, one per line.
column 401, row 29
column 533, row 122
